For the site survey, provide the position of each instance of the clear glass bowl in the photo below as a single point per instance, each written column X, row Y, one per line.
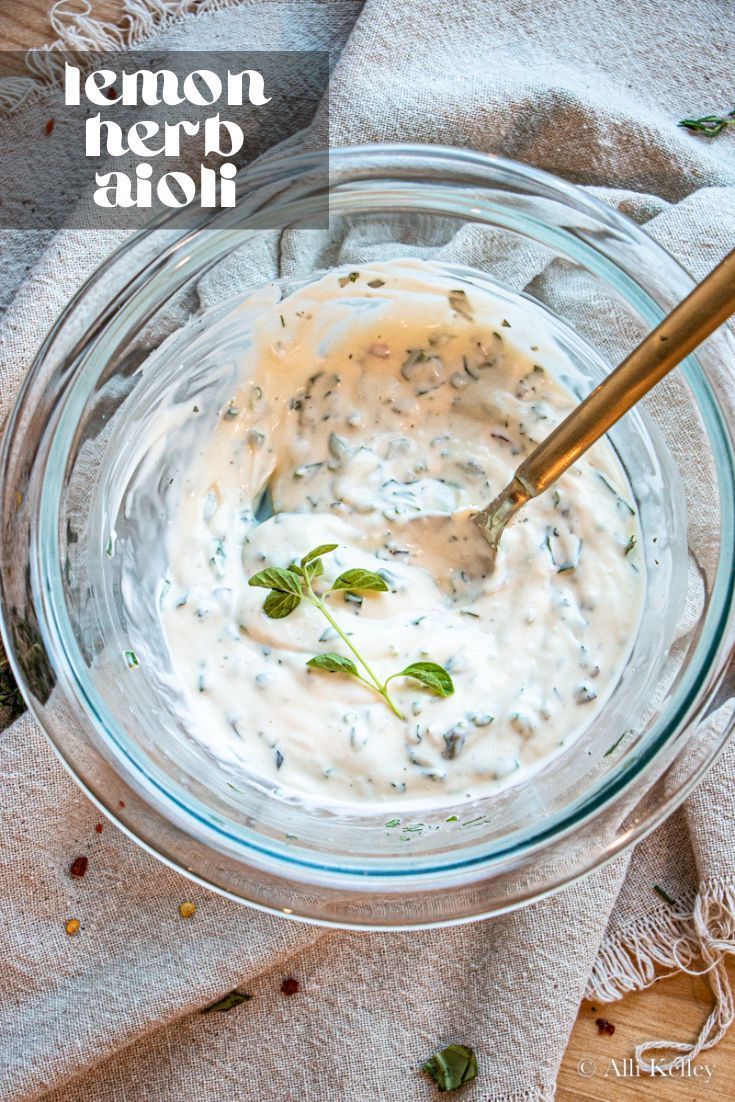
column 73, row 445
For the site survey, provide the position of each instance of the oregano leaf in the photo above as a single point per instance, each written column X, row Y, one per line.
column 322, row 549
column 314, row 569
column 430, row 674
column 278, row 605
column 361, row 579
column 274, row 577
column 333, row 663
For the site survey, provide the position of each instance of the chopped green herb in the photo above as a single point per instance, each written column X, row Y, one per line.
column 615, row 745
column 255, row 438
column 459, row 303
column 338, row 446
column 454, row 741
column 415, row 356
column 109, row 550
column 132, row 659
column 620, row 500
column 283, row 321
column 562, row 564
column 393, row 823
column 584, row 694
column 573, row 563
column 629, row 545
column 664, row 895
column 451, row 1067
column 452, row 819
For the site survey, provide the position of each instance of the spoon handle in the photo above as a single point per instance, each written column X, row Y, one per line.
column 692, row 321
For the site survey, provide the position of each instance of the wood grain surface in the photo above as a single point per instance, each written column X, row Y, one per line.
column 596, row 1066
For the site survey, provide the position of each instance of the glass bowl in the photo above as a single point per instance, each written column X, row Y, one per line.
column 137, row 334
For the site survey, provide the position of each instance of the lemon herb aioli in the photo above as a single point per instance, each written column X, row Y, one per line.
column 367, row 398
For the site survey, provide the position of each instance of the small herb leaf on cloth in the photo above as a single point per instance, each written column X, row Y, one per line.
column 710, row 125
column 664, row 895
column 229, row 1002
column 451, row 1067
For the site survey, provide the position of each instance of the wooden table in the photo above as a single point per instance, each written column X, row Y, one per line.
column 675, row 1007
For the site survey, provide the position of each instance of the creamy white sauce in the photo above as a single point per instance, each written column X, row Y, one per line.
column 366, row 400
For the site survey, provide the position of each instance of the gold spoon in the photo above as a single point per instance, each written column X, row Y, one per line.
column 710, row 303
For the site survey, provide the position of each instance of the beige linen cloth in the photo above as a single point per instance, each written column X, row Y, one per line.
column 583, row 89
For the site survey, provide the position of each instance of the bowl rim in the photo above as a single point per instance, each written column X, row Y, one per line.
column 717, row 644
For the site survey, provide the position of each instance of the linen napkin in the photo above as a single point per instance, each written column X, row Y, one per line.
column 113, row 1013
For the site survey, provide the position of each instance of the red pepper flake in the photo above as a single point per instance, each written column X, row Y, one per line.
column 49, row 126
column 99, row 827
column 121, row 803
column 603, row 1026
column 78, row 866
column 290, row 986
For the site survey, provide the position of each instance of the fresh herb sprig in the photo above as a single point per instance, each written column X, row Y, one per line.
column 710, row 125
column 294, row 584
